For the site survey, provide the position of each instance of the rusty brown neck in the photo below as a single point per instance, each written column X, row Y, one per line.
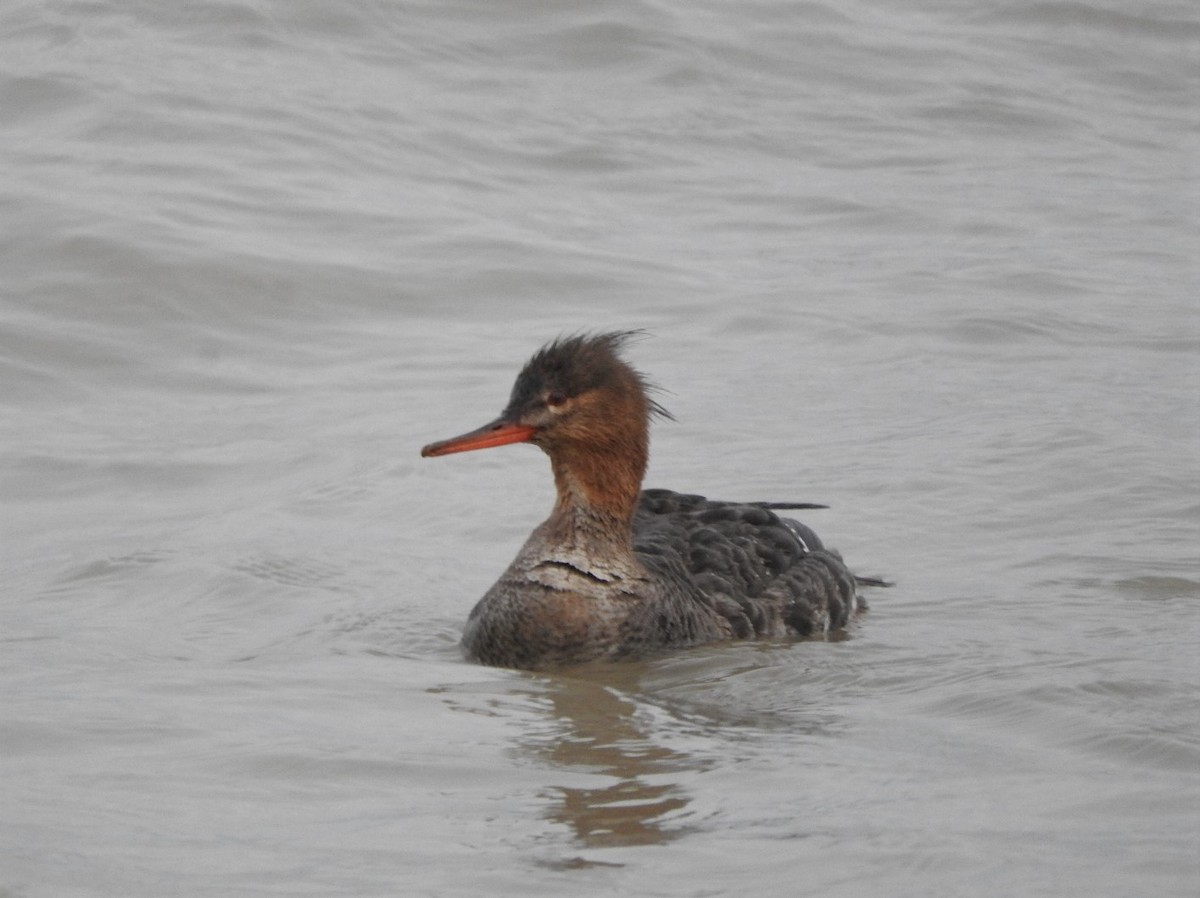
column 598, row 485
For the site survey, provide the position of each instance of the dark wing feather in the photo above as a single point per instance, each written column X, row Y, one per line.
column 766, row 575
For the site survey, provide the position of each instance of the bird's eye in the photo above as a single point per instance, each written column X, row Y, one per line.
column 556, row 400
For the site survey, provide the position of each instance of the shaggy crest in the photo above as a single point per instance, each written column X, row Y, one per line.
column 580, row 363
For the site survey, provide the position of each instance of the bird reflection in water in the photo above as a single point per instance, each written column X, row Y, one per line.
column 640, row 803
column 641, row 800
column 622, row 751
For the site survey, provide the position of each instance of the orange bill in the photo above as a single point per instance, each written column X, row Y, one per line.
column 499, row 433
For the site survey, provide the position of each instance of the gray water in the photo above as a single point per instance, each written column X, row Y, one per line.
column 933, row 264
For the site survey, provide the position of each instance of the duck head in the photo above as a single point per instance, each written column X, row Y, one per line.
column 587, row 408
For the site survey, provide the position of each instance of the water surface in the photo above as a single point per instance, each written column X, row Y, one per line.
column 931, row 264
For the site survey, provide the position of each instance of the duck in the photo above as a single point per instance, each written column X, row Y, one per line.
column 620, row 572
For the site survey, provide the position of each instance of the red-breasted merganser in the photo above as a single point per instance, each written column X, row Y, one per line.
column 617, row 572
